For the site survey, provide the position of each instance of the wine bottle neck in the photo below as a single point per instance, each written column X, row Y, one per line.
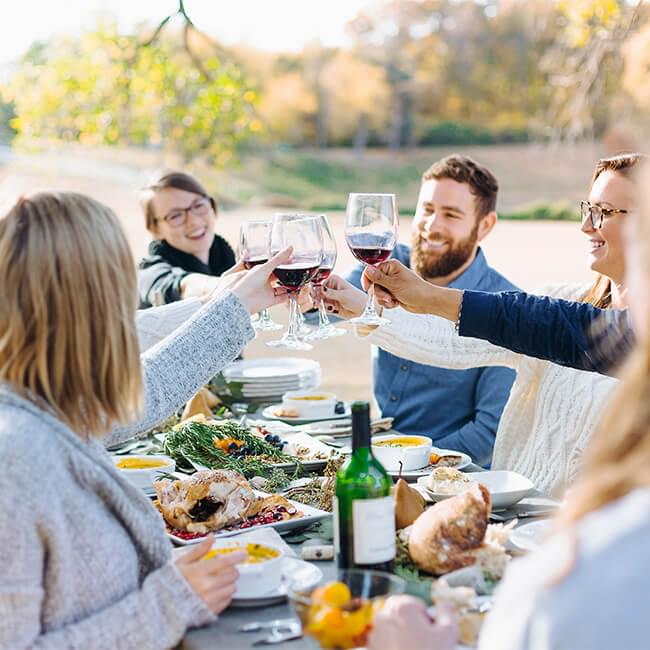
column 360, row 429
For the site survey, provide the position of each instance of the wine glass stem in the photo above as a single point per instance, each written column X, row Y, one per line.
column 264, row 317
column 294, row 325
column 370, row 305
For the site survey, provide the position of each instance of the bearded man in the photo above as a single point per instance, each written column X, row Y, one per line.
column 457, row 409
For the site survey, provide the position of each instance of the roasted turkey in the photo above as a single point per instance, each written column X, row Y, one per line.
column 448, row 535
column 206, row 501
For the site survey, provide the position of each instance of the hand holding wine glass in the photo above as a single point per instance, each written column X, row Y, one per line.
column 254, row 249
column 371, row 233
column 304, row 235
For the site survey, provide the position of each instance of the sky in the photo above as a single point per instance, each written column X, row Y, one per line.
column 285, row 25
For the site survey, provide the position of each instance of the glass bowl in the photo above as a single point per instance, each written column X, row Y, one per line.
column 339, row 613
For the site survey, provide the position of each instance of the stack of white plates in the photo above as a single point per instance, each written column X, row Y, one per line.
column 266, row 380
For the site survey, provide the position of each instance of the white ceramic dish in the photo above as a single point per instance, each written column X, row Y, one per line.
column 270, row 369
column 310, row 516
column 411, row 456
column 269, row 414
column 258, row 579
column 306, row 573
column 415, row 474
column 529, row 536
column 144, row 478
column 506, row 488
column 310, row 404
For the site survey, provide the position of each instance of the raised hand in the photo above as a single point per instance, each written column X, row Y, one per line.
column 342, row 298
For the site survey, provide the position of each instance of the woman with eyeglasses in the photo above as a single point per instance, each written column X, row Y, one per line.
column 552, row 411
column 187, row 256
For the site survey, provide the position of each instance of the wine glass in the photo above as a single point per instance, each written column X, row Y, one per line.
column 371, row 225
column 325, row 329
column 254, row 247
column 304, row 234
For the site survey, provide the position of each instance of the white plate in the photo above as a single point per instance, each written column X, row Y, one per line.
column 307, row 573
column 415, row 474
column 310, row 516
column 268, row 414
column 506, row 488
column 269, row 368
column 341, row 427
column 529, row 536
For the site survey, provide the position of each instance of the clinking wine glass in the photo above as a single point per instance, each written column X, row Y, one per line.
column 304, row 234
column 254, row 248
column 371, row 226
column 325, row 329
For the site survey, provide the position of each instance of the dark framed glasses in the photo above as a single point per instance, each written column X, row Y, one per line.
column 199, row 208
column 596, row 213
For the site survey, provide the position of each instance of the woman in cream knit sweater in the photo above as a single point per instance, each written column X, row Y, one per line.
column 85, row 560
column 552, row 411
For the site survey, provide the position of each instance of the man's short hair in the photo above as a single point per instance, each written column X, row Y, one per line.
column 462, row 169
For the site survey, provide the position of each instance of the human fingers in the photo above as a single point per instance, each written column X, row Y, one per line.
column 217, row 600
column 385, row 298
column 235, row 269
column 279, row 258
column 222, row 563
column 196, row 552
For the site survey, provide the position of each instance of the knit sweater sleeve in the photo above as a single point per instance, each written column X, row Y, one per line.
column 156, row 323
column 431, row 340
column 174, row 369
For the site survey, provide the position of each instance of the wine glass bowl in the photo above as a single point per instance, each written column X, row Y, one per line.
column 325, row 329
column 254, row 249
column 303, row 233
column 340, row 613
column 371, row 227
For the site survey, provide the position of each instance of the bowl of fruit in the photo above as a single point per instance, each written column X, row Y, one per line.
column 339, row 614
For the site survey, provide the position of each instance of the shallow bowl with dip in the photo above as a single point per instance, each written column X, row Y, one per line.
column 412, row 451
column 142, row 471
column 310, row 404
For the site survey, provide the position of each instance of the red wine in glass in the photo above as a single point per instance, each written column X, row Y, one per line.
column 296, row 275
column 322, row 274
column 254, row 261
column 372, row 256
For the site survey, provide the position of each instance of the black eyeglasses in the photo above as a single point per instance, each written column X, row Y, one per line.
column 596, row 214
column 177, row 218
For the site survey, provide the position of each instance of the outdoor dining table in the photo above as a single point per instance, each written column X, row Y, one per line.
column 224, row 634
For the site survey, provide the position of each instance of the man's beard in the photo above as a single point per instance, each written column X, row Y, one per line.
column 429, row 265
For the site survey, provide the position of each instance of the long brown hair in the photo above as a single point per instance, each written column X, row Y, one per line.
column 600, row 293
column 618, row 460
column 68, row 297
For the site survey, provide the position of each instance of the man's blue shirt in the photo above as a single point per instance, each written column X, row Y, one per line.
column 457, row 409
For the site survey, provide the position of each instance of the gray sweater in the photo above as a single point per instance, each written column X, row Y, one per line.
column 84, row 560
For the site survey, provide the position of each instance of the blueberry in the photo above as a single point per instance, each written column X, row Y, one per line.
column 339, row 408
column 268, row 437
column 275, row 438
column 233, row 446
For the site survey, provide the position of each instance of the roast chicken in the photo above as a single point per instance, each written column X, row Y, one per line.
column 449, row 535
column 207, row 501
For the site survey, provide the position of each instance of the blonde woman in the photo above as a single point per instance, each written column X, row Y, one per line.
column 85, row 562
column 552, row 410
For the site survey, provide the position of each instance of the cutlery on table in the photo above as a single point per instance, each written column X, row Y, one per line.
column 524, row 514
column 278, row 624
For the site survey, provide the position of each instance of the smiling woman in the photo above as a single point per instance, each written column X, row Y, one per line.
column 187, row 256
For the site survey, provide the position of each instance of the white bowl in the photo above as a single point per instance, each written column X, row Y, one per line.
column 144, row 478
column 256, row 580
column 505, row 487
column 411, row 456
column 303, row 402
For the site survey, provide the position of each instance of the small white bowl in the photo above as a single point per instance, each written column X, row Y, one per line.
column 144, row 478
column 259, row 579
column 411, row 456
column 306, row 404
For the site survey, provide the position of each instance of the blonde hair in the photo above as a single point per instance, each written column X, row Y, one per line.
column 67, row 311
column 618, row 459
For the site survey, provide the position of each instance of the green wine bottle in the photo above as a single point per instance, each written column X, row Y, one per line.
column 364, row 510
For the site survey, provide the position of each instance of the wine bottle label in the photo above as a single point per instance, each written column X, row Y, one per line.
column 373, row 530
column 336, row 527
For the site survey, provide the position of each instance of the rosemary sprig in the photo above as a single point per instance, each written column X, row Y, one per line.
column 195, row 441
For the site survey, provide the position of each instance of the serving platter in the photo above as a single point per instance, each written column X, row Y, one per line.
column 413, row 475
column 310, row 516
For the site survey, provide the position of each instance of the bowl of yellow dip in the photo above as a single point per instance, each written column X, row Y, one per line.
column 260, row 573
column 411, row 451
column 310, row 404
column 143, row 470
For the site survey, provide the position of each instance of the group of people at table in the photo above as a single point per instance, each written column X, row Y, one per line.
column 554, row 386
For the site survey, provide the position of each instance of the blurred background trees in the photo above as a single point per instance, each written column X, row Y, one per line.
column 417, row 72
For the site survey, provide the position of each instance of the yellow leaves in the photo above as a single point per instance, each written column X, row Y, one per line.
column 587, row 17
